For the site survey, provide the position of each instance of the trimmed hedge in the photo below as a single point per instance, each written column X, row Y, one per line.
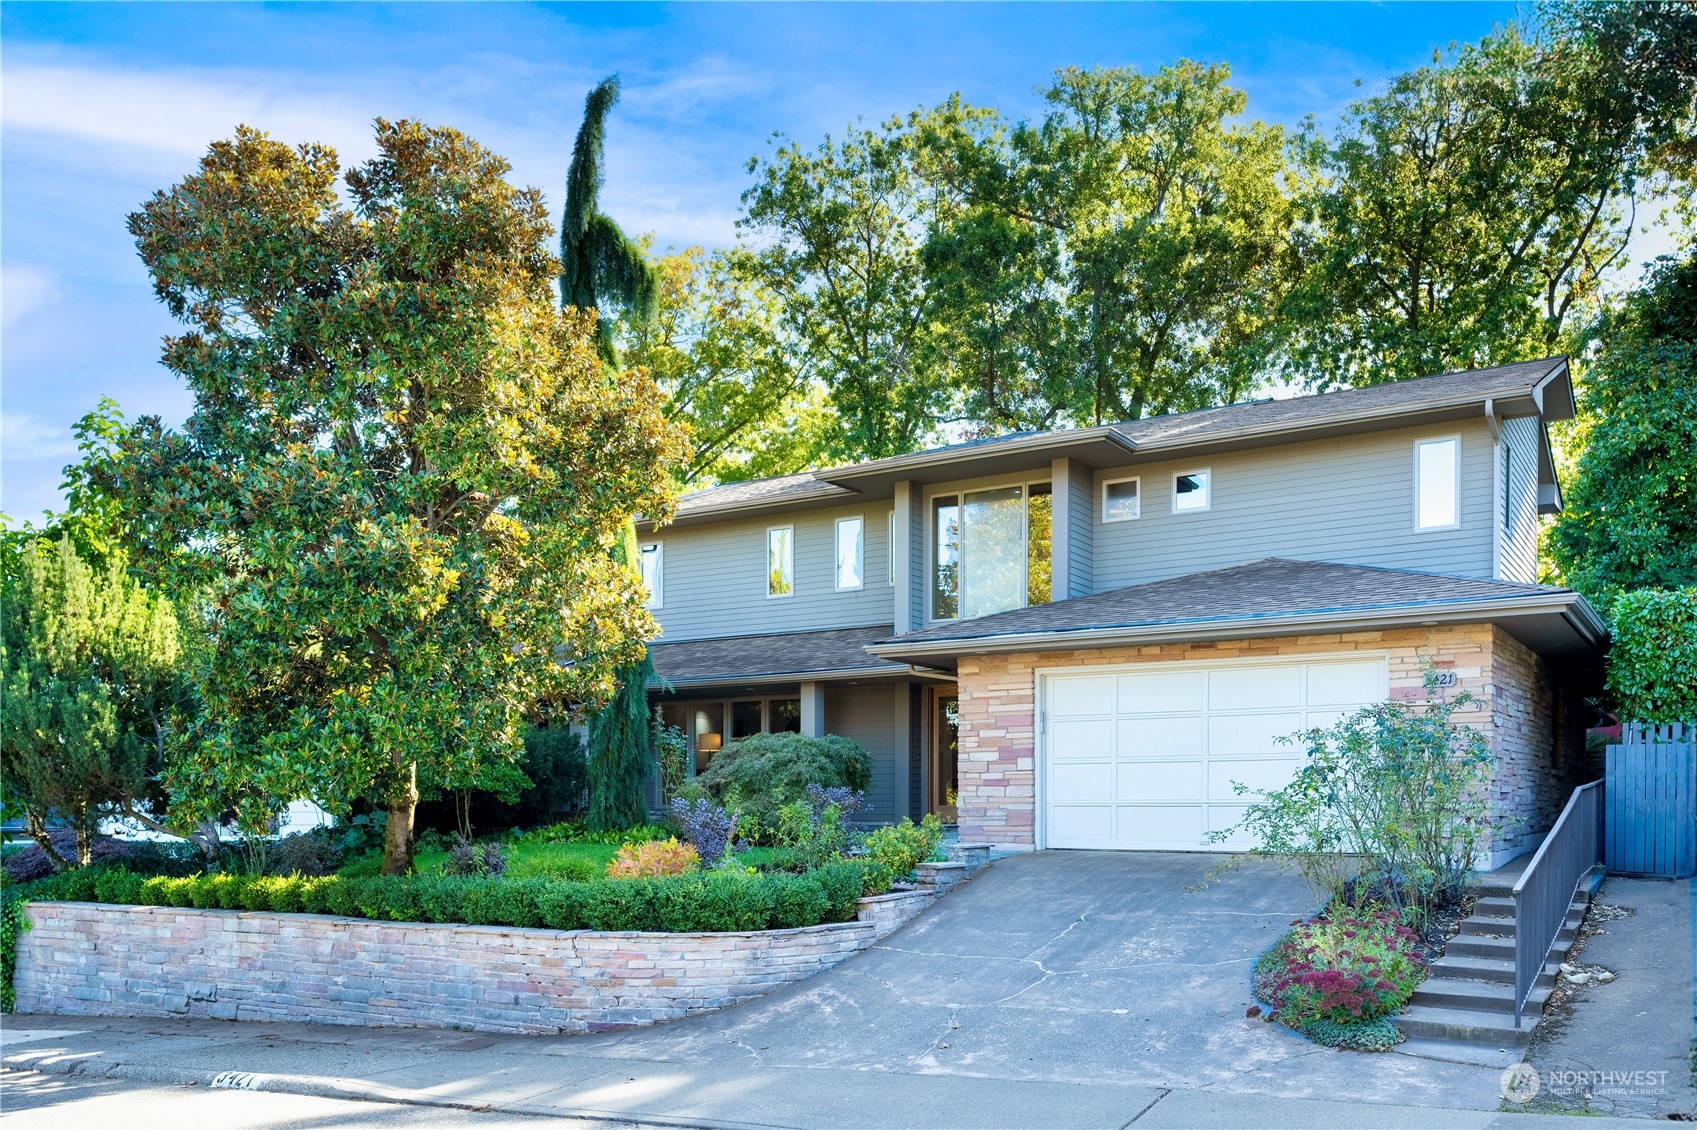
column 698, row 903
column 1653, row 663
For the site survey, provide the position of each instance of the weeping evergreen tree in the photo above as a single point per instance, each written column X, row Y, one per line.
column 603, row 270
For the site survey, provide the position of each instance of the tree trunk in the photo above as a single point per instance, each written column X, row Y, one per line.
column 44, row 839
column 397, row 834
column 85, row 844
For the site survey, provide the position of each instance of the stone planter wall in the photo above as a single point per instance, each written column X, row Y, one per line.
column 103, row 960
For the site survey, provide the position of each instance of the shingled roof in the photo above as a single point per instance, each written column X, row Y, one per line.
column 786, row 656
column 1263, row 597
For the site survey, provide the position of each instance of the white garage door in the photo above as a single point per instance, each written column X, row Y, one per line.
column 1144, row 757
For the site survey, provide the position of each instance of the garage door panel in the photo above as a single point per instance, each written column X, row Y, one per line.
column 1081, row 824
column 1081, row 740
column 1141, row 758
column 1156, row 691
column 1260, row 775
column 1254, row 688
column 1160, row 780
column 1087, row 781
column 1345, row 684
column 1160, row 737
column 1077, row 695
column 1234, row 735
column 1160, row 824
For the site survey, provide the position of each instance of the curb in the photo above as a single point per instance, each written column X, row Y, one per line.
column 354, row 1090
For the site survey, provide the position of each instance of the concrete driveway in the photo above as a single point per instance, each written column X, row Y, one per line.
column 1070, row 967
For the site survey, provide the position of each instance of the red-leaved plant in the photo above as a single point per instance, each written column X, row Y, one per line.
column 1358, row 965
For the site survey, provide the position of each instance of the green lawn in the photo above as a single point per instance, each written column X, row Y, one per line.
column 565, row 861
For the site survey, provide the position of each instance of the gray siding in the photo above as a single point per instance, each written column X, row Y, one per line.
column 714, row 577
column 869, row 716
column 1349, row 501
column 1082, row 513
column 1517, row 513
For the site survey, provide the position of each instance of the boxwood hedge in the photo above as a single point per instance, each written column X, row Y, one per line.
column 701, row 902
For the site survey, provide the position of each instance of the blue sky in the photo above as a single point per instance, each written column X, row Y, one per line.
column 104, row 104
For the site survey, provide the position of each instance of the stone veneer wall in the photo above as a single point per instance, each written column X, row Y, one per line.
column 1516, row 702
column 103, row 960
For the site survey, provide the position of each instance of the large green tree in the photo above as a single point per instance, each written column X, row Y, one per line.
column 607, row 272
column 1470, row 213
column 91, row 674
column 400, row 476
column 1629, row 519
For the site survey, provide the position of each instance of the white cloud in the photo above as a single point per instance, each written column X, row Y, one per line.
column 25, row 436
column 24, row 291
column 169, row 112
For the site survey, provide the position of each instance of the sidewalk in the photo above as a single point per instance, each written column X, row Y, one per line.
column 563, row 1078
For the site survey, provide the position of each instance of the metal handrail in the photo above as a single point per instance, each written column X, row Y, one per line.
column 1545, row 890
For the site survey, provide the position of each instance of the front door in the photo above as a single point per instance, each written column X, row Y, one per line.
column 945, row 753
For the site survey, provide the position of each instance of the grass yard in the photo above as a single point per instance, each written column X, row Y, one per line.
column 556, row 861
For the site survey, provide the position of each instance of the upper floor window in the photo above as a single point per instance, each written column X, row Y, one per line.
column 1437, row 484
column 1508, row 491
column 1192, row 490
column 891, row 554
column 991, row 550
column 649, row 564
column 851, row 553
column 780, row 561
column 1120, row 502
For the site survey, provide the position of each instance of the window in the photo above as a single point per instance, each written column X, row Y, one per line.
column 747, row 717
column 780, row 561
column 891, row 551
column 784, row 716
column 1119, row 500
column 651, row 572
column 1191, row 490
column 991, row 550
column 851, row 553
column 1437, row 484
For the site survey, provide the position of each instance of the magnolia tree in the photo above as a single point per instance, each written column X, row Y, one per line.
column 401, row 476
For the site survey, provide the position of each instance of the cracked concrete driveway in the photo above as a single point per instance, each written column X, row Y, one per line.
column 1069, row 967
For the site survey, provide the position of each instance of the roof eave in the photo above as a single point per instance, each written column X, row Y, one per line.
column 1573, row 608
column 707, row 682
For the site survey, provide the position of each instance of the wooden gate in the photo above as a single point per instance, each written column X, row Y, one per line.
column 1650, row 802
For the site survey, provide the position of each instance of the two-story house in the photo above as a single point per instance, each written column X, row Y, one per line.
column 1083, row 638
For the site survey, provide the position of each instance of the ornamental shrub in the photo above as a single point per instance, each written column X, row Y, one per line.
column 843, row 884
column 1652, row 669
column 902, row 847
column 757, row 775
column 705, row 825
column 654, row 859
column 1350, row 968
column 797, row 900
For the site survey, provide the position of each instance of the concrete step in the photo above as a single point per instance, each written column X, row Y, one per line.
column 1469, row 968
column 1478, row 996
column 1467, row 1025
column 1493, row 906
column 1480, row 945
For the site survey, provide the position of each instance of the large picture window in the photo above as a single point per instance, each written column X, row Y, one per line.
column 991, row 550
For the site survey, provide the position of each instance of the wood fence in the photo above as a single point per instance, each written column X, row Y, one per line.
column 1650, row 802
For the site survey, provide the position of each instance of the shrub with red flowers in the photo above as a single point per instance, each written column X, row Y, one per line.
column 1350, row 967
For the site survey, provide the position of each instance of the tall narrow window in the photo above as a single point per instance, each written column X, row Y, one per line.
column 891, row 548
column 780, row 561
column 945, row 575
column 851, row 553
column 650, row 565
column 1437, row 484
column 1039, row 543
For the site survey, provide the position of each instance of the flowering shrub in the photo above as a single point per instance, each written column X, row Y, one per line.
column 467, row 858
column 1354, row 968
column 654, row 859
column 707, row 826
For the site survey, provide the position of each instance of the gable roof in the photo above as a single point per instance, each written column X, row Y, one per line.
column 1273, row 596
column 1530, row 388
